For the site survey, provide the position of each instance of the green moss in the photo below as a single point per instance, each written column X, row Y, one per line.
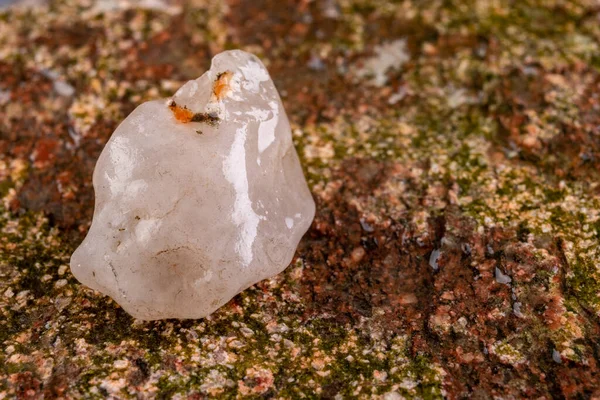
column 168, row 387
column 13, row 368
column 583, row 282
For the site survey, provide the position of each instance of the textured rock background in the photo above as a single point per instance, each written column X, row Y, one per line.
column 453, row 149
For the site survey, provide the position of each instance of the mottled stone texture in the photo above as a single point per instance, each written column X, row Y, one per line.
column 455, row 245
column 189, row 213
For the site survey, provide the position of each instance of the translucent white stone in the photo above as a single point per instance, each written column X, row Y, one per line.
column 188, row 214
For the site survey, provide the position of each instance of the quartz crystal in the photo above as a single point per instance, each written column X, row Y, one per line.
column 197, row 197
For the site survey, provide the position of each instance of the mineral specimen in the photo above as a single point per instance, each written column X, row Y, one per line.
column 197, row 198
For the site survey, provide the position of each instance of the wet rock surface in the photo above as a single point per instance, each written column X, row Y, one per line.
column 455, row 245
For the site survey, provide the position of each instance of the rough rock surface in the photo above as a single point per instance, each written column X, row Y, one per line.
column 455, row 245
column 192, row 207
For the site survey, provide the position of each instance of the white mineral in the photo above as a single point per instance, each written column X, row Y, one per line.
column 198, row 197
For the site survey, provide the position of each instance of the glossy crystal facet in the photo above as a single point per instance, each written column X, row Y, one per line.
column 197, row 197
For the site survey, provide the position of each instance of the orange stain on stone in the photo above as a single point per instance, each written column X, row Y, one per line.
column 220, row 89
column 181, row 114
column 221, row 86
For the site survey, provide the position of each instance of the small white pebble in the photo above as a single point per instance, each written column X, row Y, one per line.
column 62, row 269
column 22, row 294
column 556, row 356
column 275, row 337
column 64, row 89
column 247, row 332
column 392, row 396
column 121, row 364
column 380, row 375
column 236, row 344
column 502, row 278
column 433, row 259
column 4, row 96
column 318, row 364
column 357, row 254
column 517, row 309
column 60, row 283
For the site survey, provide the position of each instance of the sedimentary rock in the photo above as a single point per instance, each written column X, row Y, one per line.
column 197, row 197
